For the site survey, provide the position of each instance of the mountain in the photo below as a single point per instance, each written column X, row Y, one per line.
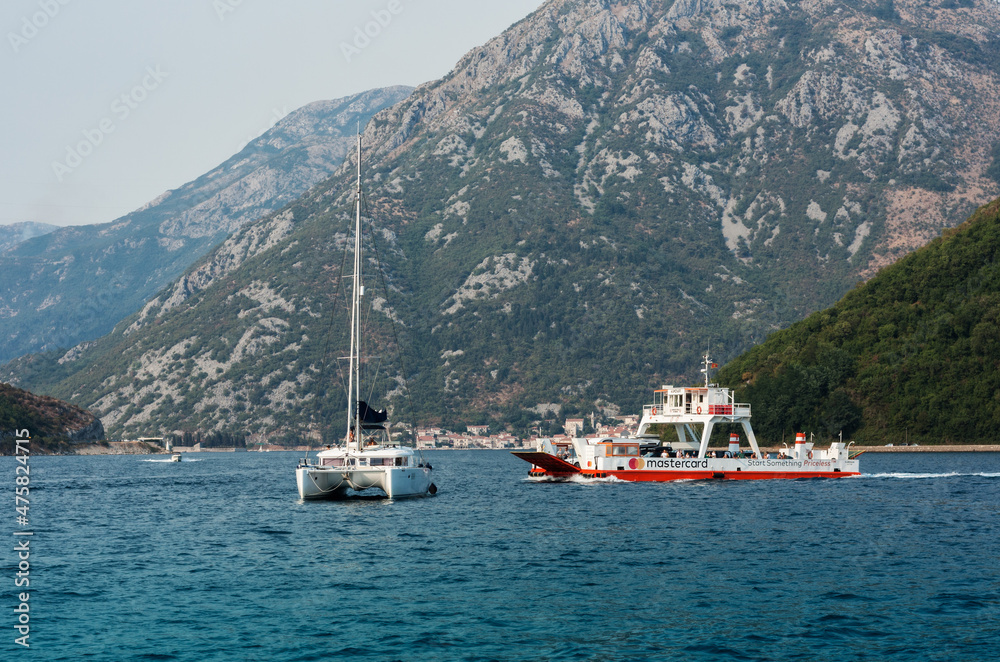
column 913, row 354
column 576, row 212
column 15, row 233
column 76, row 283
column 48, row 421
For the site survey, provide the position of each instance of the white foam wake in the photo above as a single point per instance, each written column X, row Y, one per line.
column 587, row 480
column 579, row 479
column 953, row 474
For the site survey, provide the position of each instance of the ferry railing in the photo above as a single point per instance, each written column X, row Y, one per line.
column 658, row 409
column 739, row 409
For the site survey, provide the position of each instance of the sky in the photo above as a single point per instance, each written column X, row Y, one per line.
column 109, row 103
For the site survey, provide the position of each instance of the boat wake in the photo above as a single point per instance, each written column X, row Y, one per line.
column 579, row 479
column 169, row 460
column 953, row 474
column 588, row 480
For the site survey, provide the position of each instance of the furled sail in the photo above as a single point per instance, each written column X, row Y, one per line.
column 370, row 418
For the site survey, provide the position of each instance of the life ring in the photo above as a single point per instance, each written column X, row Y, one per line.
column 654, row 411
column 699, row 410
column 809, row 455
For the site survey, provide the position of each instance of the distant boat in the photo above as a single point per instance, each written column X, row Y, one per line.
column 368, row 458
column 176, row 457
column 643, row 457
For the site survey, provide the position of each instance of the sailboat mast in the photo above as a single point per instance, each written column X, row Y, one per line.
column 354, row 380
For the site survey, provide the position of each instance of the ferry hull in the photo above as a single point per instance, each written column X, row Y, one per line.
column 663, row 476
column 664, row 469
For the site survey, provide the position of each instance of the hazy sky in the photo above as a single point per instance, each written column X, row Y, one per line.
column 108, row 103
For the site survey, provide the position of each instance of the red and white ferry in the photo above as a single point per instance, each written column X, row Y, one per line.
column 694, row 413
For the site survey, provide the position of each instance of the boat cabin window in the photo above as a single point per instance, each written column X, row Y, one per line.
column 333, row 461
column 376, row 461
column 400, row 461
column 623, row 450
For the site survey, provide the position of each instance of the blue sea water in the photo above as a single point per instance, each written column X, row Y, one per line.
column 217, row 559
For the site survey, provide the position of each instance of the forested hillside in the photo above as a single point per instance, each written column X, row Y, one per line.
column 911, row 355
column 50, row 423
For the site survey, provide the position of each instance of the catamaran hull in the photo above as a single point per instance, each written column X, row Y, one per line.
column 319, row 483
column 396, row 482
column 406, row 482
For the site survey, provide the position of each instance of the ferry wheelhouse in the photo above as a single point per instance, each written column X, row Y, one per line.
column 693, row 412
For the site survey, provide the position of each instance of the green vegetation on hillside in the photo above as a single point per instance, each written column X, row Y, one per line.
column 914, row 354
column 47, row 421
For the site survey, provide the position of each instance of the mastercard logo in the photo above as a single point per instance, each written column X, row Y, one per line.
column 636, row 463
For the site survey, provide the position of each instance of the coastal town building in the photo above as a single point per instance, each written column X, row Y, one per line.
column 429, row 438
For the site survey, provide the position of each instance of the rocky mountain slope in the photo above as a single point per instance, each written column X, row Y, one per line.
column 582, row 207
column 911, row 355
column 13, row 234
column 76, row 283
column 47, row 420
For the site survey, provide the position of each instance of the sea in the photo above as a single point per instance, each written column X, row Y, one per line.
column 216, row 558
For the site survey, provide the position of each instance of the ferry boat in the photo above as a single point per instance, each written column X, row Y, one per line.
column 693, row 412
column 368, row 458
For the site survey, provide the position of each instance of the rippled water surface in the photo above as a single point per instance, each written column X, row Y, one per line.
column 216, row 559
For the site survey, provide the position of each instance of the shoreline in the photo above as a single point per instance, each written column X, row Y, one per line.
column 950, row 448
column 141, row 448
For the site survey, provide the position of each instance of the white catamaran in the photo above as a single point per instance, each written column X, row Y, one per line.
column 368, row 458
